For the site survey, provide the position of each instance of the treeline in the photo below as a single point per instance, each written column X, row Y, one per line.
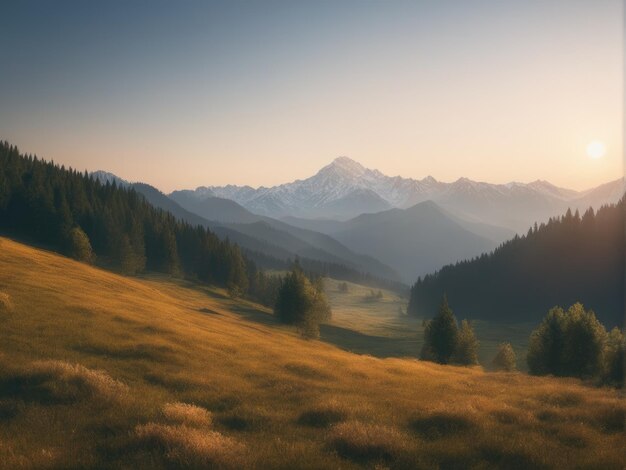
column 74, row 214
column 568, row 259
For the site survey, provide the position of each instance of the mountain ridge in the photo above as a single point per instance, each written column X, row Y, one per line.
column 256, row 233
column 413, row 241
column 512, row 205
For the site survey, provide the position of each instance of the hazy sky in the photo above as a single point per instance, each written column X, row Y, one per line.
column 182, row 94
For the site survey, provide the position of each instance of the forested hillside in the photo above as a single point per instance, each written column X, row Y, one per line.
column 76, row 214
column 570, row 259
column 116, row 225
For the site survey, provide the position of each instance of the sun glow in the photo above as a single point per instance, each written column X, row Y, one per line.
column 596, row 149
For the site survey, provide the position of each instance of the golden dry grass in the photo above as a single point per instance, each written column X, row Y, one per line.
column 325, row 414
column 5, row 302
column 189, row 447
column 76, row 381
column 366, row 442
column 275, row 400
column 185, row 413
column 382, row 327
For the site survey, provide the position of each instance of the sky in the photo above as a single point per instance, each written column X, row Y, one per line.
column 184, row 94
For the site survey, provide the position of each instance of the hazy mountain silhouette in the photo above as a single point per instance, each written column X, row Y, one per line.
column 262, row 234
column 414, row 241
column 214, row 208
column 344, row 189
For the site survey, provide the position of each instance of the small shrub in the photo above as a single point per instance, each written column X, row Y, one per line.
column 62, row 381
column 189, row 447
column 363, row 442
column 505, row 359
column 342, row 287
column 184, row 413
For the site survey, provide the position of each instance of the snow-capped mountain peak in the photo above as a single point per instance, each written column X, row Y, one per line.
column 344, row 188
column 343, row 167
column 105, row 177
column 348, row 164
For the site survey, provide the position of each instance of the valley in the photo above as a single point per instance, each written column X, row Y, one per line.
column 382, row 327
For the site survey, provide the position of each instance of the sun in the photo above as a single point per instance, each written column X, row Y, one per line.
column 596, row 149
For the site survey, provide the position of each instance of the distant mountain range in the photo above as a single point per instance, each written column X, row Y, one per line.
column 415, row 241
column 391, row 227
column 345, row 189
column 255, row 233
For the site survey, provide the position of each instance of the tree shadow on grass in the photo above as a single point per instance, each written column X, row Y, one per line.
column 344, row 338
column 252, row 314
column 360, row 343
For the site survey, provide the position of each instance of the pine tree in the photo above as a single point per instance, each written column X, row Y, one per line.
column 301, row 303
column 466, row 349
column 568, row 343
column 440, row 335
column 585, row 343
column 130, row 262
column 546, row 345
column 505, row 359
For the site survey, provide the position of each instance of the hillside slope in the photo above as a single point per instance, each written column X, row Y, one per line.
column 570, row 259
column 99, row 371
column 314, row 245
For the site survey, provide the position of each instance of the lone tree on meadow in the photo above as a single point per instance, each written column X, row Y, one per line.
column 505, row 359
column 440, row 335
column 301, row 303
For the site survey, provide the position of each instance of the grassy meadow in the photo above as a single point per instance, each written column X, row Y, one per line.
column 103, row 371
column 380, row 327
